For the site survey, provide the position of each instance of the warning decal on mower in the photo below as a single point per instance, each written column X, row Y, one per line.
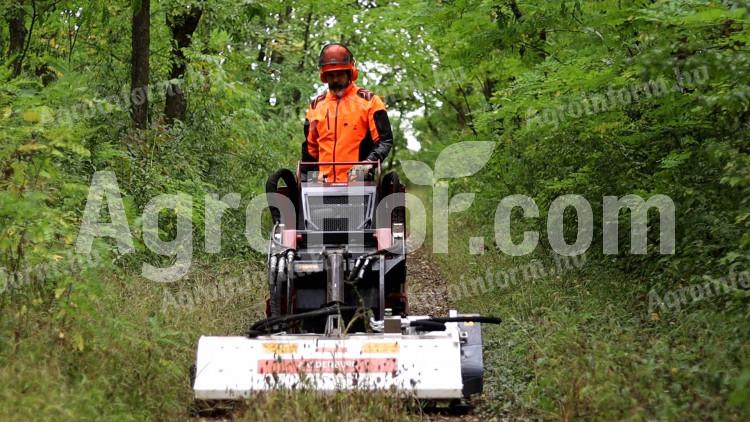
column 289, row 366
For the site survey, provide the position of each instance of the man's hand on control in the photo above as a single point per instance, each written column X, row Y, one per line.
column 357, row 170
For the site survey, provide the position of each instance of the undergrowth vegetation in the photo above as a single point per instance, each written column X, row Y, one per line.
column 578, row 341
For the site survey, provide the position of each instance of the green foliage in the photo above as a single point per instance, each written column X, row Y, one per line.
column 585, row 98
column 80, row 336
column 594, row 98
column 604, row 98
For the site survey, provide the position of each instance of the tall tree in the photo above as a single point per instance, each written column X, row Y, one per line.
column 296, row 92
column 139, row 73
column 182, row 26
column 17, row 33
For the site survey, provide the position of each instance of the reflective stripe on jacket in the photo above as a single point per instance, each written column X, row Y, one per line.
column 354, row 127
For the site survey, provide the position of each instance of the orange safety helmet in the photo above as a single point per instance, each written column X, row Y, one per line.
column 336, row 56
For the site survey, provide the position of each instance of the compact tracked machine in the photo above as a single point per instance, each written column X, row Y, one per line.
column 338, row 314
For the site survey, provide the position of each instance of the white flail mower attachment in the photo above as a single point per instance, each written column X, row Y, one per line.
column 422, row 357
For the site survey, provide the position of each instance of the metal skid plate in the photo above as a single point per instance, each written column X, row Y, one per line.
column 427, row 366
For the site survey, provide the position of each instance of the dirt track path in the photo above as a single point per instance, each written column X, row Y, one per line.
column 426, row 287
column 428, row 295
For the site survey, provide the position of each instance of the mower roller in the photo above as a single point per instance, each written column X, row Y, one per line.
column 337, row 316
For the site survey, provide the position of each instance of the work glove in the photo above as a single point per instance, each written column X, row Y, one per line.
column 359, row 171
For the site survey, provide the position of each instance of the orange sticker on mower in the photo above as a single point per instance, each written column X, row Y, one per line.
column 325, row 366
column 380, row 348
column 280, row 348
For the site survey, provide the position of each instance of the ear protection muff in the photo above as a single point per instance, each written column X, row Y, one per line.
column 345, row 63
column 355, row 72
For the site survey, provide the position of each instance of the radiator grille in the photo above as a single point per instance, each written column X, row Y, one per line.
column 338, row 212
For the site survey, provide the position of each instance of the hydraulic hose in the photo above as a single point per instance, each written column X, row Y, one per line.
column 262, row 327
column 438, row 324
column 273, row 305
column 289, row 280
column 355, row 268
column 361, row 273
column 360, row 265
column 467, row 318
column 427, row 325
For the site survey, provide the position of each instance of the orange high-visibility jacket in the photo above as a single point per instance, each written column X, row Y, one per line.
column 354, row 127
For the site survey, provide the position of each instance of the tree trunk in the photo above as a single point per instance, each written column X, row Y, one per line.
column 182, row 27
column 296, row 93
column 305, row 43
column 266, row 44
column 141, row 40
column 488, row 88
column 276, row 56
column 516, row 10
column 17, row 32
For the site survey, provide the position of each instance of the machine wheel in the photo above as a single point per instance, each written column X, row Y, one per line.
column 459, row 407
